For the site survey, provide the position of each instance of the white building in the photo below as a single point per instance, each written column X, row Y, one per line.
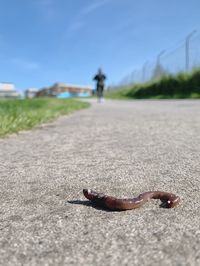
column 8, row 90
column 31, row 93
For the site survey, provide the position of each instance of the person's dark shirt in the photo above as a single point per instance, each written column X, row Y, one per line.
column 100, row 77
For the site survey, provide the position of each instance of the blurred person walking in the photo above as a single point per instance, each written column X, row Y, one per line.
column 100, row 78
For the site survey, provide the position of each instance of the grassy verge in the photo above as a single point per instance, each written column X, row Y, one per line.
column 169, row 87
column 16, row 115
column 120, row 93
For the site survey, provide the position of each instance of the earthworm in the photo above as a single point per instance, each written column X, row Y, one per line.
column 111, row 203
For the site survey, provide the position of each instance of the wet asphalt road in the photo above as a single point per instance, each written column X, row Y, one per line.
column 121, row 148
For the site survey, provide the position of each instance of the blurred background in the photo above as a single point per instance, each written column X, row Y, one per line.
column 44, row 43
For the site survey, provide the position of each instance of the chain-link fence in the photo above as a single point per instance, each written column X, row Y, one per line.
column 183, row 57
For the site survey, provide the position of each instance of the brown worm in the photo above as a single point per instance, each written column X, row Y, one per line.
column 168, row 199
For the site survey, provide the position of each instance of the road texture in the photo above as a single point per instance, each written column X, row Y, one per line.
column 121, row 148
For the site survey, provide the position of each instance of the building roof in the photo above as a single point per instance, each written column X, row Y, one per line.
column 32, row 90
column 5, row 86
column 60, row 84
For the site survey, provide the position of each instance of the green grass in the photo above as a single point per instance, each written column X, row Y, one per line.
column 120, row 93
column 16, row 115
column 180, row 86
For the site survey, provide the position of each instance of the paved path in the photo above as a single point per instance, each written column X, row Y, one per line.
column 120, row 148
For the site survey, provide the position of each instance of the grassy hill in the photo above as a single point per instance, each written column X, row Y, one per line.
column 17, row 115
column 169, row 87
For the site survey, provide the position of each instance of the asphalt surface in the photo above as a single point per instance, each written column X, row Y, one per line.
column 121, row 148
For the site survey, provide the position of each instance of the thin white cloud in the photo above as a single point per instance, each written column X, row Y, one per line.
column 79, row 20
column 75, row 26
column 46, row 7
column 93, row 7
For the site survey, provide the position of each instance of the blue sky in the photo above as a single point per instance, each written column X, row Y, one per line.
column 48, row 41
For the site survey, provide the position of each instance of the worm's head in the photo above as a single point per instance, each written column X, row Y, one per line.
column 93, row 195
column 173, row 203
column 89, row 194
column 86, row 193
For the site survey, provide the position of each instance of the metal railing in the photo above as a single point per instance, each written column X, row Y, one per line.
column 183, row 57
